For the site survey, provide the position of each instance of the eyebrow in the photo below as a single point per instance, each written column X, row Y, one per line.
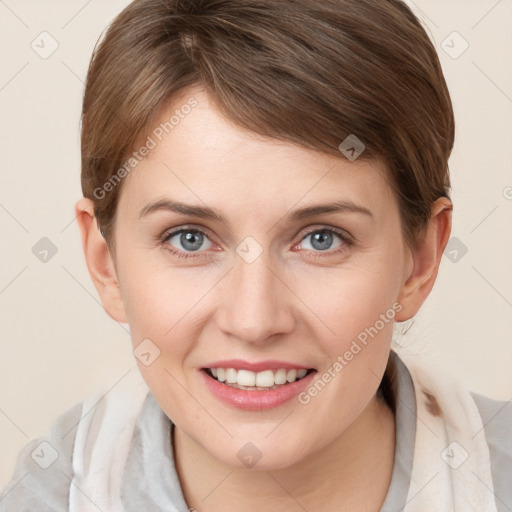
column 204, row 212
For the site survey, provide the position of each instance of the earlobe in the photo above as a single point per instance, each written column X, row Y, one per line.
column 426, row 259
column 99, row 261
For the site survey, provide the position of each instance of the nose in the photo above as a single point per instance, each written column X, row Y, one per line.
column 256, row 303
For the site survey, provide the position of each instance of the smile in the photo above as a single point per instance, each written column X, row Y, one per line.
column 257, row 381
column 255, row 386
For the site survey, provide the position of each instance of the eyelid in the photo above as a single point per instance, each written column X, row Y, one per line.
column 170, row 232
column 305, row 232
column 346, row 238
column 179, row 253
column 342, row 233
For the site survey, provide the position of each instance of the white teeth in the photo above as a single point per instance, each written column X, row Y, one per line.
column 246, row 378
column 280, row 377
column 231, row 375
column 291, row 375
column 264, row 379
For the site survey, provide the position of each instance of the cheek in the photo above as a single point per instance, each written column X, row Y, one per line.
column 355, row 310
column 165, row 304
column 351, row 300
column 163, row 309
column 158, row 308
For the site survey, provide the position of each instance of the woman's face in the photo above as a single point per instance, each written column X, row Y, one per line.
column 257, row 276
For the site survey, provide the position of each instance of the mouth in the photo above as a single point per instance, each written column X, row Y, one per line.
column 255, row 385
column 266, row 380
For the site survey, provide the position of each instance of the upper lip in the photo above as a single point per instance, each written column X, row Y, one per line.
column 259, row 366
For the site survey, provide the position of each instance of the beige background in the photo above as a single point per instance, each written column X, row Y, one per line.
column 56, row 341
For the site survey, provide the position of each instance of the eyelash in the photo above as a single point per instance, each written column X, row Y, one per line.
column 347, row 242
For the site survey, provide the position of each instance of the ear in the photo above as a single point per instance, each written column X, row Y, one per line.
column 99, row 261
column 426, row 260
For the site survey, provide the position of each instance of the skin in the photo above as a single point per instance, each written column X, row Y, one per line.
column 336, row 452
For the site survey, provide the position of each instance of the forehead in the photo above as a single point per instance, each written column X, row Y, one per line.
column 196, row 153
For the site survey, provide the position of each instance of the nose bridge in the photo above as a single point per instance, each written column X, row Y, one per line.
column 256, row 304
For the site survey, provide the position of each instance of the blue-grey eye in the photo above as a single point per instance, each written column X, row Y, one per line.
column 188, row 240
column 322, row 240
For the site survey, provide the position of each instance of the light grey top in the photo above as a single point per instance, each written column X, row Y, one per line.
column 150, row 480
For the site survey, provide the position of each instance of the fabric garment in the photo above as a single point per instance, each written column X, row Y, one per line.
column 114, row 453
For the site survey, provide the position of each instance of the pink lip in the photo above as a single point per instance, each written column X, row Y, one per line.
column 255, row 400
column 240, row 364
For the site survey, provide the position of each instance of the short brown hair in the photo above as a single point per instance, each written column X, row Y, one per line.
column 302, row 71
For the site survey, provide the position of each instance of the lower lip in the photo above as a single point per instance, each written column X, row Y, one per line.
column 253, row 400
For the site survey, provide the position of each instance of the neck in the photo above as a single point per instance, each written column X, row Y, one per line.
column 351, row 473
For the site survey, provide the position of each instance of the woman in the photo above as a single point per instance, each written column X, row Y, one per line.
column 266, row 194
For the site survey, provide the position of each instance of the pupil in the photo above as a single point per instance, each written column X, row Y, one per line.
column 322, row 240
column 191, row 240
